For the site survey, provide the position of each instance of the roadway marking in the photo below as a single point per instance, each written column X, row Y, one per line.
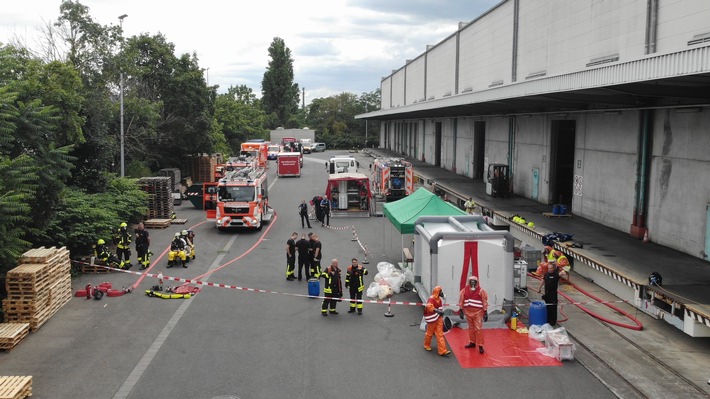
column 149, row 355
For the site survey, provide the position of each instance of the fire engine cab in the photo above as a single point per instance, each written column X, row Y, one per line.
column 242, row 199
column 393, row 178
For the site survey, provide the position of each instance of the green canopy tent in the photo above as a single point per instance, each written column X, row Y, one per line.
column 403, row 213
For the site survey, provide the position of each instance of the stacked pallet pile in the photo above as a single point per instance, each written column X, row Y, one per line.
column 160, row 196
column 15, row 387
column 202, row 167
column 38, row 287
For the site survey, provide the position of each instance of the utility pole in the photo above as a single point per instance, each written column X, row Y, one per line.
column 123, row 159
column 366, row 126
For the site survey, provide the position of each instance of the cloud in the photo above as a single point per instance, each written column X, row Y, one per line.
column 337, row 46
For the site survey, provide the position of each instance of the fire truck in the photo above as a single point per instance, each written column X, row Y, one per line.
column 393, row 178
column 258, row 149
column 241, row 199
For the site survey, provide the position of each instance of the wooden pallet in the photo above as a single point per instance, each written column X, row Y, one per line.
column 179, row 221
column 157, row 223
column 15, row 387
column 11, row 334
column 94, row 269
column 552, row 215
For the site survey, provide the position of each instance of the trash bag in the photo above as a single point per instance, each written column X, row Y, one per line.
column 385, row 269
column 385, row 292
column 373, row 291
column 538, row 332
column 408, row 275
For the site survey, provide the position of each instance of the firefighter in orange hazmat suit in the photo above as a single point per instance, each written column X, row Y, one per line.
column 433, row 310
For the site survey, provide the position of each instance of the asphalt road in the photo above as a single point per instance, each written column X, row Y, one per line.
column 227, row 343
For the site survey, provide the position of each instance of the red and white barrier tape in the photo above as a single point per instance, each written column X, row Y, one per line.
column 262, row 291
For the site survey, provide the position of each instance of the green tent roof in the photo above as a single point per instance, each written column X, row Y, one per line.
column 403, row 213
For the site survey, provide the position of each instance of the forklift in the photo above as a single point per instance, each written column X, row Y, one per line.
column 498, row 180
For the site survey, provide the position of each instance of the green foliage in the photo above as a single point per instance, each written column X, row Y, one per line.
column 280, row 95
column 83, row 218
column 137, row 169
column 240, row 117
column 333, row 118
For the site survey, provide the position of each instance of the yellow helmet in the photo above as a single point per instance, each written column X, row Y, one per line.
column 531, row 225
column 101, row 241
column 124, row 224
column 184, row 232
column 177, row 234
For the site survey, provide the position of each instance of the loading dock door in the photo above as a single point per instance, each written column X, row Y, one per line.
column 479, row 143
column 562, row 162
column 437, row 144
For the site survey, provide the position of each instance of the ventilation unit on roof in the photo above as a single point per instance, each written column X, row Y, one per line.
column 701, row 38
column 537, row 74
column 496, row 83
column 603, row 60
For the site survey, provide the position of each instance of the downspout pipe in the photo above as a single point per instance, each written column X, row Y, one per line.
column 638, row 227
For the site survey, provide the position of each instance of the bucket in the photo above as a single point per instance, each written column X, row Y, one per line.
column 563, row 209
column 538, row 313
column 313, row 287
column 556, row 209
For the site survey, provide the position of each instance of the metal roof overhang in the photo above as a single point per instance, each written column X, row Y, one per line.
column 679, row 79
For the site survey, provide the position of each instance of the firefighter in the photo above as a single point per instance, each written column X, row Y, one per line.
column 123, row 247
column 332, row 289
column 470, row 205
column 102, row 253
column 325, row 210
column 433, row 310
column 354, row 281
column 291, row 257
column 187, row 236
column 316, row 255
column 177, row 250
column 318, row 210
column 304, row 256
column 303, row 213
column 142, row 245
column 473, row 304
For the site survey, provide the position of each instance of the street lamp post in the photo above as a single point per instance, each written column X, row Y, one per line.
column 123, row 162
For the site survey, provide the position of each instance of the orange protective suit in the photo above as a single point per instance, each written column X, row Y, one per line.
column 435, row 324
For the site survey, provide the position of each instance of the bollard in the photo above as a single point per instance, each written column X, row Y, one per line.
column 389, row 308
column 160, row 281
column 365, row 262
column 354, row 235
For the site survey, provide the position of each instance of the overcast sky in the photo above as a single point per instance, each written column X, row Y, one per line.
column 337, row 45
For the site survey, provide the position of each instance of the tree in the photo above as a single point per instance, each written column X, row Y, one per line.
column 241, row 117
column 280, row 95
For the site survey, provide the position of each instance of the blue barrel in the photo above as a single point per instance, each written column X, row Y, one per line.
column 313, row 287
column 538, row 313
column 563, row 209
column 556, row 209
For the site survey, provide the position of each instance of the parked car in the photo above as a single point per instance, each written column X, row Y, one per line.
column 318, row 147
column 274, row 149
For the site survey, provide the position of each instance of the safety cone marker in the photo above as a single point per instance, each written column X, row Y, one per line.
column 645, row 236
column 354, row 235
column 366, row 252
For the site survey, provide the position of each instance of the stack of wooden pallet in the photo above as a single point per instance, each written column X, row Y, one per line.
column 160, row 196
column 38, row 287
column 202, row 167
column 15, row 387
column 11, row 334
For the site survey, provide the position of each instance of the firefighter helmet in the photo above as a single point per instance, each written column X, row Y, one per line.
column 124, row 224
column 177, row 234
column 184, row 233
column 101, row 241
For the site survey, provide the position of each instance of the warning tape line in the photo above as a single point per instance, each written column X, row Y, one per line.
column 262, row 291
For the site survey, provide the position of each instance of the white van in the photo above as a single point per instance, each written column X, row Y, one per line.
column 342, row 164
column 318, row 147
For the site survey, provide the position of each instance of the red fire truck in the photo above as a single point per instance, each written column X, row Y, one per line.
column 242, row 199
column 393, row 178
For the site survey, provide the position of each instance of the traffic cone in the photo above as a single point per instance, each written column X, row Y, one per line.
column 366, row 261
column 645, row 236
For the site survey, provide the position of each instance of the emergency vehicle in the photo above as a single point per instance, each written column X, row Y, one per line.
column 258, row 149
column 342, row 164
column 241, row 199
column 274, row 150
column 393, row 178
column 288, row 164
